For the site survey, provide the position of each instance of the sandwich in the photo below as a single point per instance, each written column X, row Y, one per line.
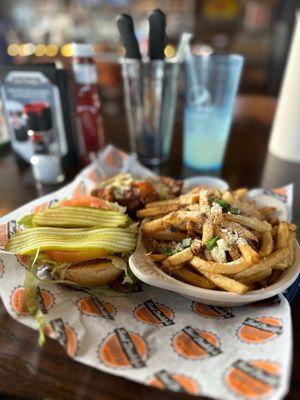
column 84, row 241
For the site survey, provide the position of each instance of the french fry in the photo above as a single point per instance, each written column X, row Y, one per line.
column 267, row 211
column 282, row 235
column 208, row 231
column 228, row 197
column 291, row 256
column 263, row 264
column 177, row 219
column 193, row 278
column 281, row 265
column 156, row 211
column 163, row 203
column 193, row 207
column 249, row 209
column 229, row 268
column 273, row 221
column 203, row 199
column 228, row 284
column 274, row 231
column 257, row 277
column 275, row 275
column 243, row 206
column 178, row 258
column 267, row 245
column 239, row 230
column 234, row 252
column 207, row 255
column 153, row 226
column 167, row 235
column 190, row 197
column 156, row 257
column 240, row 193
column 248, row 252
column 292, row 227
column 250, row 222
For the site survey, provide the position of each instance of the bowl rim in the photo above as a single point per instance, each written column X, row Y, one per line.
column 170, row 283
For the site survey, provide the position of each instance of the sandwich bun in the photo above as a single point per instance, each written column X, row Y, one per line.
column 91, row 273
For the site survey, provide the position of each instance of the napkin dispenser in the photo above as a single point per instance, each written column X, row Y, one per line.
column 27, row 84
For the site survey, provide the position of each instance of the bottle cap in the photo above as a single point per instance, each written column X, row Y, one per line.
column 83, row 50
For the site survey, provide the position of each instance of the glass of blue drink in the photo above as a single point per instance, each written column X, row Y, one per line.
column 211, row 87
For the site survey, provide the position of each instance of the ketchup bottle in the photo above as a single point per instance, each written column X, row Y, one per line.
column 88, row 105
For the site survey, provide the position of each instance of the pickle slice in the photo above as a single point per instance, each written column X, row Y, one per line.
column 80, row 217
column 112, row 240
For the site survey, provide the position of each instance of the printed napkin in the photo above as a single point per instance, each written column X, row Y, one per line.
column 150, row 335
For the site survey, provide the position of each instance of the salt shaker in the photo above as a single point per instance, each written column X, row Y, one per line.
column 46, row 159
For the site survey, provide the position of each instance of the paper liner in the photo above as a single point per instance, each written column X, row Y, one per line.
column 153, row 336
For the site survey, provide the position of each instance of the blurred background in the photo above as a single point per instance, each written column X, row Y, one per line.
column 38, row 31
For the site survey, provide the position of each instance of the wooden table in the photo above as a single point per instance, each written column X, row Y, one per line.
column 30, row 372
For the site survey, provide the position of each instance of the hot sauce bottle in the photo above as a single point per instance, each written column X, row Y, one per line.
column 88, row 105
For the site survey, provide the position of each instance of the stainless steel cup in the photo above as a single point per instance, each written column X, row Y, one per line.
column 150, row 90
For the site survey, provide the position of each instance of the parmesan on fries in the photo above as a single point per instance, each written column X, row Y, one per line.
column 217, row 240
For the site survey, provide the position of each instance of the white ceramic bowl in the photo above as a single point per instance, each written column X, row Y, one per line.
column 207, row 181
column 147, row 271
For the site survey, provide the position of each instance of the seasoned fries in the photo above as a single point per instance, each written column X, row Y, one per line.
column 155, row 211
column 217, row 240
column 194, row 279
column 178, row 258
column 250, row 222
column 267, row 244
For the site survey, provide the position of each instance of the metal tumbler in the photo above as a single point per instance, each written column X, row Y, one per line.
column 150, row 90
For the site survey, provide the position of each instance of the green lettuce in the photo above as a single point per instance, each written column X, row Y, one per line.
column 31, row 284
column 27, row 221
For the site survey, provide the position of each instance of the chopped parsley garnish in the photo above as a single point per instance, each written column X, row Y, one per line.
column 233, row 210
column 225, row 206
column 167, row 251
column 210, row 244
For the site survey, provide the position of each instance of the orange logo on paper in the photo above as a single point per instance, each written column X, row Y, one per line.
column 253, row 379
column 45, row 206
column 80, row 190
column 17, row 300
column 119, row 286
column 211, row 311
column 259, row 330
column 279, row 193
column 123, row 349
column 59, row 330
column 196, row 344
column 152, row 313
column 92, row 306
column 3, row 235
column 95, row 175
column 175, row 382
column 24, row 259
column 114, row 158
column 1, row 268
column 7, row 230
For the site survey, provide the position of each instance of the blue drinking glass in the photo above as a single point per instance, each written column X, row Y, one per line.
column 211, row 87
